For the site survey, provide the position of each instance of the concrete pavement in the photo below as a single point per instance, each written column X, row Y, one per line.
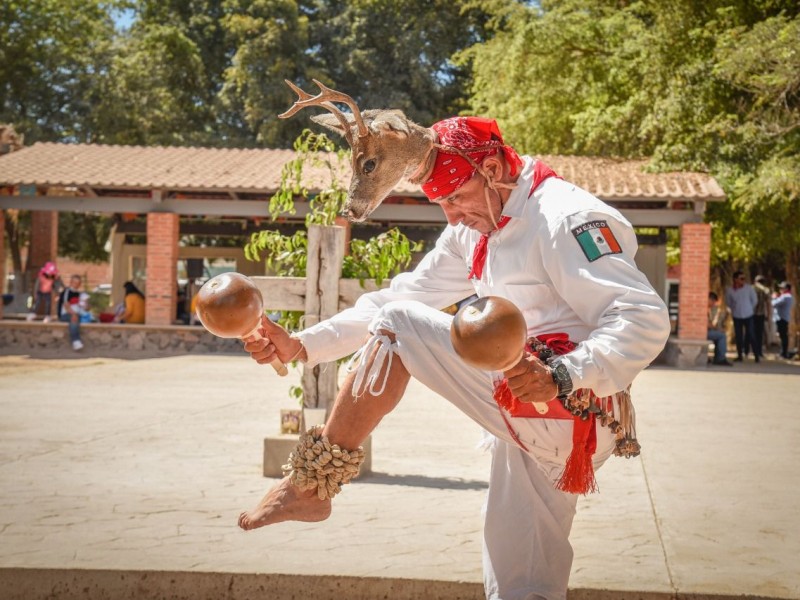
column 124, row 479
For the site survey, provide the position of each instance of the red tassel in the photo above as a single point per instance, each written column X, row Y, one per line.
column 578, row 476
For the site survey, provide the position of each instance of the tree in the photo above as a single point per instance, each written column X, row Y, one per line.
column 271, row 41
column 712, row 86
column 398, row 53
column 155, row 91
column 383, row 53
column 51, row 52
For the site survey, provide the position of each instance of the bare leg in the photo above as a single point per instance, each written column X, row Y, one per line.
column 350, row 423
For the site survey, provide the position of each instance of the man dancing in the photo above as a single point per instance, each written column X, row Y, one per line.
column 566, row 260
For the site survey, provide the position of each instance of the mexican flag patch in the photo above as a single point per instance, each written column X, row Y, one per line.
column 596, row 240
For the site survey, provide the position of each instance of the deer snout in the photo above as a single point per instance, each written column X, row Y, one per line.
column 353, row 216
column 357, row 211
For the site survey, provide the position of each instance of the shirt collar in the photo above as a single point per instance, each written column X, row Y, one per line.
column 515, row 206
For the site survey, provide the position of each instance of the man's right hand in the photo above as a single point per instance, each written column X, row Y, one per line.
column 275, row 342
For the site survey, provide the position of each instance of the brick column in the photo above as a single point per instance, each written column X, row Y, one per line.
column 2, row 257
column 44, row 240
column 161, row 296
column 694, row 287
column 43, row 246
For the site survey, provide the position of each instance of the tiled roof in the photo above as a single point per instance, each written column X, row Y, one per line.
column 259, row 171
column 614, row 179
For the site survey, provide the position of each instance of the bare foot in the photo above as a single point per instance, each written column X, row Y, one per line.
column 285, row 502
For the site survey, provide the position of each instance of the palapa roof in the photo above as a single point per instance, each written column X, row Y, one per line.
column 258, row 171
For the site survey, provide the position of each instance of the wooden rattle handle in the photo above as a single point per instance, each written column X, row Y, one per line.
column 279, row 367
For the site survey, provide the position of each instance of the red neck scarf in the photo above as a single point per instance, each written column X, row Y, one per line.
column 540, row 172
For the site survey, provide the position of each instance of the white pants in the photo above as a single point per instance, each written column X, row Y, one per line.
column 526, row 551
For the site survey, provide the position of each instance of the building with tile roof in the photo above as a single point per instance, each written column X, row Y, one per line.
column 171, row 184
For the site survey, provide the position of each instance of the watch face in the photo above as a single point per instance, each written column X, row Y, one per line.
column 561, row 372
column 563, row 380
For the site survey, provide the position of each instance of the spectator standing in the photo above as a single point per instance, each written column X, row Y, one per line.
column 762, row 316
column 717, row 330
column 741, row 299
column 46, row 283
column 68, row 310
column 783, row 313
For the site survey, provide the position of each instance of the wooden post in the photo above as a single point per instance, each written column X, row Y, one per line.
column 323, row 270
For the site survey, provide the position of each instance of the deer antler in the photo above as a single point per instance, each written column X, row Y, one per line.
column 326, row 98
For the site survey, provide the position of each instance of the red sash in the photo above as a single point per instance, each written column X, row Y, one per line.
column 578, row 474
column 559, row 343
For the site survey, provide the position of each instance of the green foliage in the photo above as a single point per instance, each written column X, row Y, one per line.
column 712, row 86
column 296, row 392
column 284, row 255
column 51, row 54
column 398, row 53
column 379, row 258
column 83, row 236
column 269, row 39
column 318, row 151
column 99, row 303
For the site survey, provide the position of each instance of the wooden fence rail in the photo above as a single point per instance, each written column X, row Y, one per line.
column 320, row 294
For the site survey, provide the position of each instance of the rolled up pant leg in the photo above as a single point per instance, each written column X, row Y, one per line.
column 526, row 516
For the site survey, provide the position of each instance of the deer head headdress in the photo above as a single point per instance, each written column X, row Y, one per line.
column 386, row 146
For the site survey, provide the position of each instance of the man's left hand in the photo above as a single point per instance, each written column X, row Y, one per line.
column 530, row 380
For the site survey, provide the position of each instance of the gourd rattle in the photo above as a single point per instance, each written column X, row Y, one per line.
column 489, row 333
column 230, row 306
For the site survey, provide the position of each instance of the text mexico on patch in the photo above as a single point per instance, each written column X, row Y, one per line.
column 596, row 239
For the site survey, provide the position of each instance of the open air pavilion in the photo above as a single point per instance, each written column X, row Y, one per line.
column 162, row 194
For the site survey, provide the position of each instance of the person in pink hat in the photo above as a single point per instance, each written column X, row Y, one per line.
column 566, row 260
column 47, row 283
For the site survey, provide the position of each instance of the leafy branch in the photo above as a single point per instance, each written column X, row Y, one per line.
column 378, row 258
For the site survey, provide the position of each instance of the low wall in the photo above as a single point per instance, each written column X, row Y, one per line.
column 111, row 339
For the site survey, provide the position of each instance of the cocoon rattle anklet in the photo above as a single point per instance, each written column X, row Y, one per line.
column 316, row 463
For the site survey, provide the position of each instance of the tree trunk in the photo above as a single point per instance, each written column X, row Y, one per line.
column 20, row 288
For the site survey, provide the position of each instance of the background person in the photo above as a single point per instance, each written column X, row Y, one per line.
column 783, row 314
column 47, row 283
column 741, row 299
column 134, row 305
column 68, row 310
column 762, row 316
column 717, row 329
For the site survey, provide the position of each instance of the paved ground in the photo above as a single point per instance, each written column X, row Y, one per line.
column 143, row 466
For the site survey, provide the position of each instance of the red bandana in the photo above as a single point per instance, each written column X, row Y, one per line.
column 451, row 170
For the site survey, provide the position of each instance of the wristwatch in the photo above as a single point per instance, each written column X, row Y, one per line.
column 558, row 370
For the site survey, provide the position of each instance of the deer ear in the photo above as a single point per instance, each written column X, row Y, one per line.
column 329, row 122
column 391, row 120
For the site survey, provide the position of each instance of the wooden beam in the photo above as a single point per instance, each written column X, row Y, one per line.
column 396, row 213
column 282, row 293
